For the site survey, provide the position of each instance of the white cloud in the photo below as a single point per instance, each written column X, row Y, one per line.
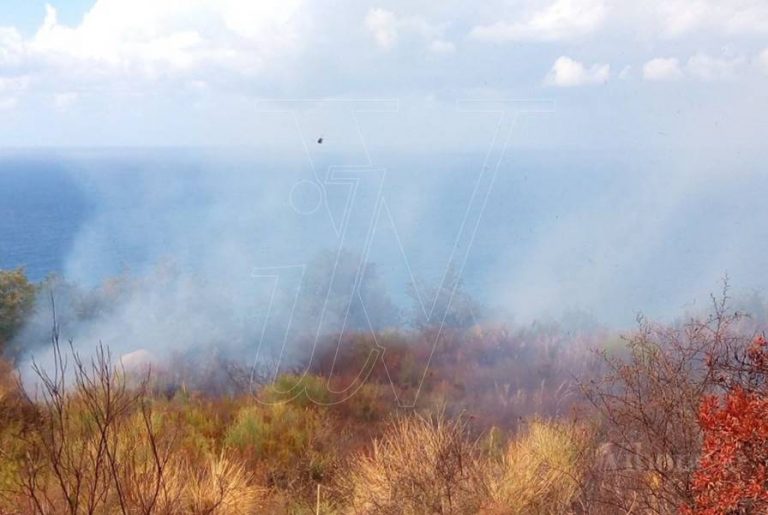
column 568, row 73
column 11, row 47
column 387, row 29
column 662, row 69
column 383, row 25
column 699, row 66
column 762, row 60
column 561, row 20
column 734, row 17
column 163, row 35
column 625, row 73
column 8, row 103
column 160, row 58
column 64, row 101
column 13, row 84
column 440, row 46
column 10, row 89
column 708, row 68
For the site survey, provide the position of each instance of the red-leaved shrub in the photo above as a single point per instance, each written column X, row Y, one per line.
column 732, row 473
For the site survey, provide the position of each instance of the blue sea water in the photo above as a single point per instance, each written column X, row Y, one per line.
column 92, row 214
column 41, row 210
column 613, row 234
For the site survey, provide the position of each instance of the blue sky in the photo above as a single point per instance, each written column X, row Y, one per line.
column 673, row 73
column 26, row 15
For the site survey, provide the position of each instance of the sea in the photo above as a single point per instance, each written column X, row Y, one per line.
column 609, row 233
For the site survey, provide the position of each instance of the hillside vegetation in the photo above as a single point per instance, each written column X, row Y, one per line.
column 476, row 419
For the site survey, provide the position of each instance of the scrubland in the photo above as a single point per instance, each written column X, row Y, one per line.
column 479, row 419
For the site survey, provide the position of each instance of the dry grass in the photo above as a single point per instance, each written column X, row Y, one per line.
column 7, row 382
column 541, row 471
column 223, row 487
column 421, row 465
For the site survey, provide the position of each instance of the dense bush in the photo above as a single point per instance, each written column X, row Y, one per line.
column 17, row 299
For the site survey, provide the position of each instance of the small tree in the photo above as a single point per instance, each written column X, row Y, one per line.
column 447, row 304
column 17, row 299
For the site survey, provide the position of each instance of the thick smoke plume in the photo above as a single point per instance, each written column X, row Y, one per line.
column 244, row 256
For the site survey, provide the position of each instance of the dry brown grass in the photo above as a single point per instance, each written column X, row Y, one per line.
column 11, row 397
column 100, row 448
column 420, row 465
column 7, row 382
column 220, row 487
column 432, row 465
column 542, row 471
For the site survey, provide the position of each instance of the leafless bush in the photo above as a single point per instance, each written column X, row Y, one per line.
column 649, row 401
column 94, row 447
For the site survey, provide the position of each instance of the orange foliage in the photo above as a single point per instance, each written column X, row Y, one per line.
column 732, row 475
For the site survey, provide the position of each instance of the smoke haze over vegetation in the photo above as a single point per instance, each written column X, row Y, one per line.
column 361, row 257
column 232, row 244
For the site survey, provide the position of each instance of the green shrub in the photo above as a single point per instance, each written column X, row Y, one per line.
column 369, row 403
column 292, row 444
column 17, row 299
column 278, row 432
column 301, row 390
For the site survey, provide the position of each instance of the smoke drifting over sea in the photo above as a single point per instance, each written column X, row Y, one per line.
column 245, row 253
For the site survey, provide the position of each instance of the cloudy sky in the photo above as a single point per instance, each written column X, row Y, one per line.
column 667, row 73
